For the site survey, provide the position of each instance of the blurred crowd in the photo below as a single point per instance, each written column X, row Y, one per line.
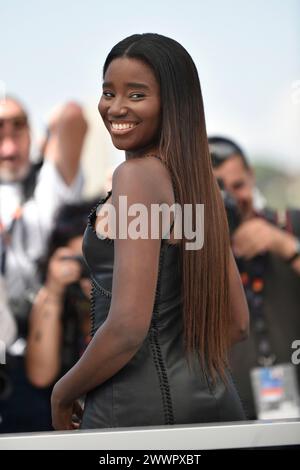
column 45, row 286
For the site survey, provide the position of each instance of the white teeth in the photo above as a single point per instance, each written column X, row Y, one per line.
column 122, row 126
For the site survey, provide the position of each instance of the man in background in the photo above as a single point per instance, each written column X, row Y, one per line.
column 30, row 195
column 266, row 245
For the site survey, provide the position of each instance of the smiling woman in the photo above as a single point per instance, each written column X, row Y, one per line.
column 131, row 109
column 163, row 317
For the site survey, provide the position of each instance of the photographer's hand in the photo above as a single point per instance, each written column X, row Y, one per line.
column 67, row 131
column 62, row 271
column 285, row 245
column 257, row 236
column 254, row 237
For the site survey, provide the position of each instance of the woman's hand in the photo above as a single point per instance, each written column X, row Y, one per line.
column 64, row 416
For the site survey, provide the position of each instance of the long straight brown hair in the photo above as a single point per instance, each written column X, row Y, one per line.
column 184, row 150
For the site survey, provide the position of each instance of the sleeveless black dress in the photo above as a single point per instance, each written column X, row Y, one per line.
column 156, row 387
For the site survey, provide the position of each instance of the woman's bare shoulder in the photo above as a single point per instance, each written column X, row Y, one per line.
column 144, row 175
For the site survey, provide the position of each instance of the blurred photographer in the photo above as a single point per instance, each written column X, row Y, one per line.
column 30, row 195
column 59, row 324
column 259, row 231
column 266, row 245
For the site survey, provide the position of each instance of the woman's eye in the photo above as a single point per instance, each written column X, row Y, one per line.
column 107, row 94
column 137, row 96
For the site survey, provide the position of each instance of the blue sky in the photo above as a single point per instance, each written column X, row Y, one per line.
column 247, row 55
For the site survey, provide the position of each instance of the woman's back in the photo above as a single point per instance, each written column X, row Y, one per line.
column 156, row 387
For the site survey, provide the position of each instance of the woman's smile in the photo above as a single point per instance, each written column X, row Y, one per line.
column 122, row 127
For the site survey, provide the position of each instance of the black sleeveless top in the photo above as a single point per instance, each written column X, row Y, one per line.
column 156, row 387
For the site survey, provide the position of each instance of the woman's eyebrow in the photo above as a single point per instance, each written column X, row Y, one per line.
column 141, row 86
column 107, row 84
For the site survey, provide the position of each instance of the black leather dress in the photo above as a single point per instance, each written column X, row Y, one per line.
column 156, row 387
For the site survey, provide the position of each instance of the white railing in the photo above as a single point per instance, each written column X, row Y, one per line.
column 252, row 434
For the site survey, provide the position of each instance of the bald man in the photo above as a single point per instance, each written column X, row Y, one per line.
column 30, row 195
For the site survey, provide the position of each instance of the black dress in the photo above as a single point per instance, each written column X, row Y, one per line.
column 155, row 387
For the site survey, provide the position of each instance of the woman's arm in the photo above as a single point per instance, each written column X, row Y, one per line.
column 133, row 293
column 239, row 328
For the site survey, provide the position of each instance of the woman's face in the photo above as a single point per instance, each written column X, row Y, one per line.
column 130, row 105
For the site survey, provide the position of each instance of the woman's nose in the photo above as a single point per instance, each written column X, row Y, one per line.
column 117, row 107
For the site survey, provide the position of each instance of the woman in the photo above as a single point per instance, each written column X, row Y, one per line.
column 164, row 316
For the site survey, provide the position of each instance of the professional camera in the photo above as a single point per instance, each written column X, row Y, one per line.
column 84, row 268
column 221, row 149
column 231, row 206
column 74, row 289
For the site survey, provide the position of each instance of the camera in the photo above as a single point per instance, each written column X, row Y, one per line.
column 85, row 273
column 231, row 206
